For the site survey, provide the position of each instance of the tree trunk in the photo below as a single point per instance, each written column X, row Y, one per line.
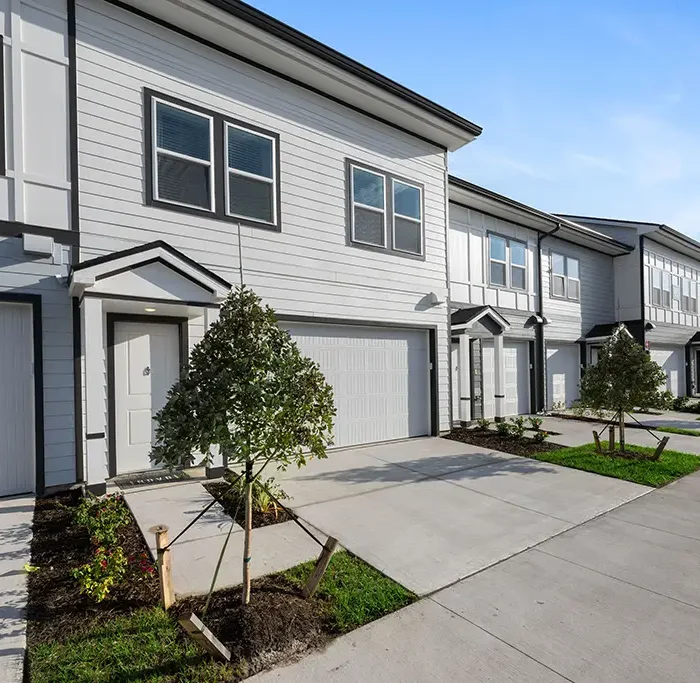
column 245, row 595
column 622, row 431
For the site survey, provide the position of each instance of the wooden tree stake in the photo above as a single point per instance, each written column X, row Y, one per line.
column 199, row 632
column 611, row 439
column 596, row 438
column 167, row 595
column 660, row 448
column 245, row 593
column 320, row 569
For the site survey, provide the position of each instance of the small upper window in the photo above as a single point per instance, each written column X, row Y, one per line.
column 565, row 280
column 507, row 262
column 408, row 233
column 498, row 259
column 251, row 186
column 518, row 265
column 369, row 212
column 183, row 157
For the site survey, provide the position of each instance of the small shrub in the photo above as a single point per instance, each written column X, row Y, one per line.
column 483, row 424
column 102, row 517
column 540, row 436
column 97, row 577
column 518, row 426
column 535, row 423
column 504, row 428
column 680, row 403
column 263, row 502
column 558, row 406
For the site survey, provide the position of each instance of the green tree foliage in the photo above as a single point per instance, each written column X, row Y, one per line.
column 624, row 378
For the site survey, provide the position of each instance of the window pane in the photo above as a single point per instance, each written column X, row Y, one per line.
column 369, row 226
column 655, row 278
column 574, row 289
column 249, row 152
column 558, row 264
column 186, row 182
column 498, row 273
column 406, row 200
column 572, row 267
column 558, row 285
column 517, row 277
column 517, row 253
column 182, row 132
column 497, row 246
column 368, row 188
column 250, row 198
column 656, row 297
column 407, row 235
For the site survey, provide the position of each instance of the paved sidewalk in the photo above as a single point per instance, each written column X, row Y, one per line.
column 194, row 556
column 616, row 599
column 16, row 515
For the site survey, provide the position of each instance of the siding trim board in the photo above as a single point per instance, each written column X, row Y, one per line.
column 272, row 72
column 16, row 229
column 3, row 131
column 78, row 391
column 113, row 318
column 146, row 300
column 37, row 340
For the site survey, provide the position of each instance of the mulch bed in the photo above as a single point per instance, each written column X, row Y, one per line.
column 56, row 608
column 487, row 438
column 230, row 502
column 277, row 626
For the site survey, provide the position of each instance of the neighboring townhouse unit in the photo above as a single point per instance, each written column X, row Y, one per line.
column 159, row 152
column 657, row 295
column 526, row 287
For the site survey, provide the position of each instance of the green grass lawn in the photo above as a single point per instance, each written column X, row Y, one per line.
column 679, row 430
column 669, row 467
column 149, row 645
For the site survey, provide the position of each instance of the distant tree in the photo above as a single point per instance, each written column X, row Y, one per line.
column 251, row 394
column 624, row 378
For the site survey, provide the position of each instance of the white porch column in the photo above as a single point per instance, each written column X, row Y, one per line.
column 96, row 467
column 464, row 385
column 499, row 376
column 216, row 465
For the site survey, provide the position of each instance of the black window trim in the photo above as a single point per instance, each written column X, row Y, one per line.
column 389, row 242
column 566, row 276
column 508, row 263
column 219, row 163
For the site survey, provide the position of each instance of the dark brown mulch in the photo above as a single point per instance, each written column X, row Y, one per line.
column 630, row 455
column 277, row 626
column 487, row 438
column 56, row 608
column 229, row 500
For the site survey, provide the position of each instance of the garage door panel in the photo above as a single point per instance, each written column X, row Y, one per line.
column 380, row 378
column 16, row 400
column 672, row 360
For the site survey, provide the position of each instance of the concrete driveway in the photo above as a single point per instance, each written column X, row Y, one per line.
column 616, row 599
column 429, row 512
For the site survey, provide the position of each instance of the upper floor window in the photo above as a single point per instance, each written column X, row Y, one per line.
column 565, row 279
column 379, row 201
column 507, row 262
column 201, row 162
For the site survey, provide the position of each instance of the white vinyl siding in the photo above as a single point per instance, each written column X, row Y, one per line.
column 306, row 269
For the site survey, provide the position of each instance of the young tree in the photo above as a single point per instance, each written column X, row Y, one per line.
column 249, row 393
column 624, row 378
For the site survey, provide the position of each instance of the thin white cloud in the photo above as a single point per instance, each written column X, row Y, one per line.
column 596, row 162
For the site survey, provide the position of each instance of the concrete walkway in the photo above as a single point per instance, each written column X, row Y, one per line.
column 15, row 535
column 616, row 599
column 194, row 556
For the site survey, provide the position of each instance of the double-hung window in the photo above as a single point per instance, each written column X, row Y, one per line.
column 565, row 277
column 385, row 212
column 656, row 287
column 666, row 289
column 507, row 262
column 676, row 293
column 202, row 162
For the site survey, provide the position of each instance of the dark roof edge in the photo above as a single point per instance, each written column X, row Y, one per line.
column 274, row 27
column 574, row 217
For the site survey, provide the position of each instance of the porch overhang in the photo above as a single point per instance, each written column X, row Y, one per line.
column 467, row 318
column 154, row 272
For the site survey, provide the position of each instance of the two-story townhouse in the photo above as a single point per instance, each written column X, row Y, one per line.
column 160, row 152
column 657, row 295
column 526, row 287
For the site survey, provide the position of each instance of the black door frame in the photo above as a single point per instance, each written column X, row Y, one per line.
column 112, row 319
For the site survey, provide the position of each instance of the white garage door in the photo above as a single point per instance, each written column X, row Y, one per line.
column 516, row 378
column 16, row 400
column 563, row 374
column 672, row 360
column 380, row 377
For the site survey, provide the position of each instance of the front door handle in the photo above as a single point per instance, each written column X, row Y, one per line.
column 147, row 371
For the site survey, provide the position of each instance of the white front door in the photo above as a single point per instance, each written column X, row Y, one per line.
column 16, row 400
column 672, row 360
column 516, row 378
column 563, row 374
column 146, row 365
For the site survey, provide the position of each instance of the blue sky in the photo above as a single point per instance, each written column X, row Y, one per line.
column 587, row 107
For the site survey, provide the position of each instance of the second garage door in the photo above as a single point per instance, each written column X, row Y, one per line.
column 672, row 360
column 380, row 377
column 516, row 378
column 563, row 374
